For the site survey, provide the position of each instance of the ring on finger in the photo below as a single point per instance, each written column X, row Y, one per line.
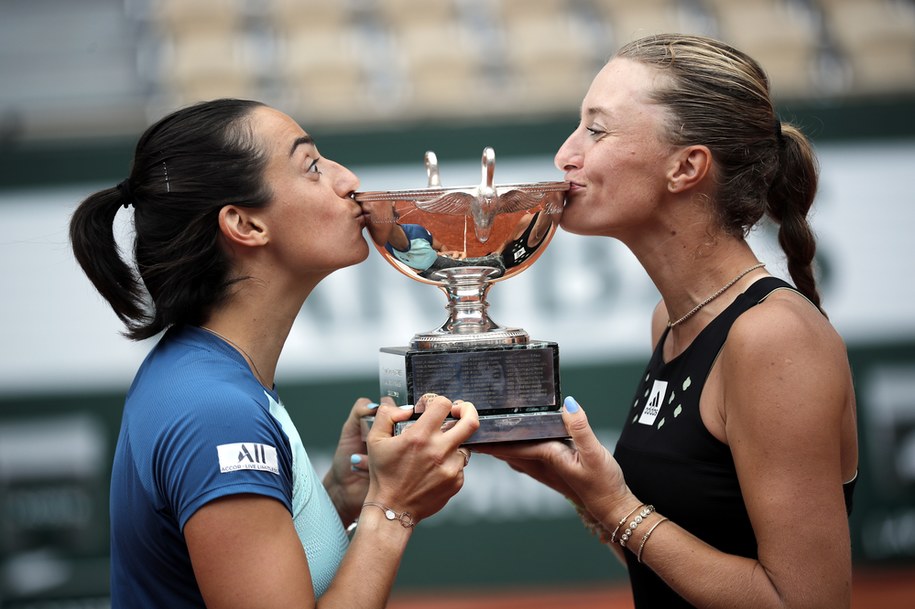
column 466, row 454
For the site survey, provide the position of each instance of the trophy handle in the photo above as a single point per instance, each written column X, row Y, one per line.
column 432, row 169
column 489, row 169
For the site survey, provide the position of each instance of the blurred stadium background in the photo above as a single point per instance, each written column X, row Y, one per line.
column 378, row 82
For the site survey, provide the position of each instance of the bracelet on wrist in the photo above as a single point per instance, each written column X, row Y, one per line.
column 647, row 535
column 623, row 521
column 404, row 518
column 628, row 531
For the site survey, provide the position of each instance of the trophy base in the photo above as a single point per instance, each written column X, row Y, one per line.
column 499, row 427
column 515, row 388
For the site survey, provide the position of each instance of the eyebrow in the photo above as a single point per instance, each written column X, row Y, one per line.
column 592, row 111
column 304, row 140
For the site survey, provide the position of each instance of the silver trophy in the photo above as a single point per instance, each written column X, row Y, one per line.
column 463, row 240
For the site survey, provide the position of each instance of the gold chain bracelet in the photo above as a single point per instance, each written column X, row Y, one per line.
column 404, row 518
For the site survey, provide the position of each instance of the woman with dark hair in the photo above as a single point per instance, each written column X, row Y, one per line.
column 214, row 501
column 731, row 482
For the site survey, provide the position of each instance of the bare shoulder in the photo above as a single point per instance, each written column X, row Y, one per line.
column 787, row 326
column 784, row 351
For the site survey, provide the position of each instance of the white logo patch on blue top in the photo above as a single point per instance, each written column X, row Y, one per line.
column 247, row 455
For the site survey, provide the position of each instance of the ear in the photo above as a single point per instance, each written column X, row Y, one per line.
column 690, row 166
column 242, row 226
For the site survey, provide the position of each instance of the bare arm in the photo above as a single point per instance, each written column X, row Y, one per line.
column 226, row 536
column 246, row 554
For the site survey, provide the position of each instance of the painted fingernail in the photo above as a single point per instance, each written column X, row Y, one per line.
column 353, row 468
column 355, row 459
column 372, row 406
column 571, row 405
column 406, row 407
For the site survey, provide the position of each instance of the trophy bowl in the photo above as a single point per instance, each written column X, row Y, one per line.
column 463, row 240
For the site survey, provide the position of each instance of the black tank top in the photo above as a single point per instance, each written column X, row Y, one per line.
column 673, row 462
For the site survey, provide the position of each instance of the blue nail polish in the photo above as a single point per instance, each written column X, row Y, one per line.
column 355, row 459
column 372, row 406
column 571, row 405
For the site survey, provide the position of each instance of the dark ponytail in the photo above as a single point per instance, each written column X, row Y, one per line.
column 186, row 167
column 97, row 252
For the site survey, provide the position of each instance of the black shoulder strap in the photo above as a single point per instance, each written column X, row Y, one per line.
column 760, row 289
column 712, row 337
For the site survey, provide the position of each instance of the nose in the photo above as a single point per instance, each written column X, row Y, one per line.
column 345, row 181
column 568, row 156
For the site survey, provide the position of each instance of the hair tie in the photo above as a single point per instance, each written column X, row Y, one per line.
column 779, row 137
column 126, row 193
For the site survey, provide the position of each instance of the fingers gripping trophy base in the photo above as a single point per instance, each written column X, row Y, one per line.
column 500, row 427
column 515, row 388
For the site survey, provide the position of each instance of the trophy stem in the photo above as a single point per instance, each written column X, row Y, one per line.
column 468, row 323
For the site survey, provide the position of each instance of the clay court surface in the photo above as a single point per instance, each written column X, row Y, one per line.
column 884, row 589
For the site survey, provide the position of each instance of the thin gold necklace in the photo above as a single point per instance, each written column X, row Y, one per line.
column 257, row 373
column 671, row 324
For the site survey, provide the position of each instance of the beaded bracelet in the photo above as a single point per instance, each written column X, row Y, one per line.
column 623, row 521
column 635, row 523
column 647, row 535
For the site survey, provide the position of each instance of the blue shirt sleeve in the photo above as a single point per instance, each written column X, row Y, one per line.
column 223, row 447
